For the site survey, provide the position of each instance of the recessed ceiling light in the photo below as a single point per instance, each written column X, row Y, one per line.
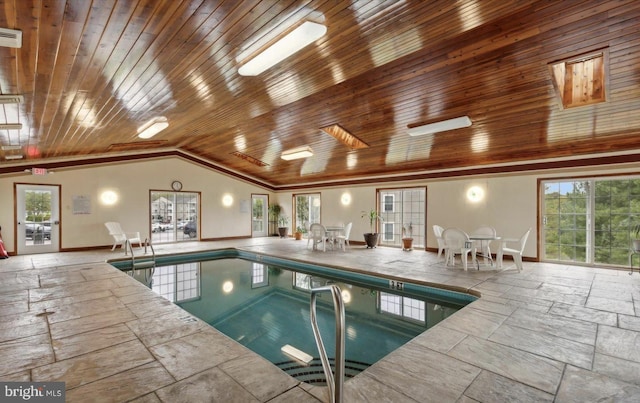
column 305, row 34
column 296, row 153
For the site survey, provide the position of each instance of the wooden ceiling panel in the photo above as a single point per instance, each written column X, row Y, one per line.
column 93, row 72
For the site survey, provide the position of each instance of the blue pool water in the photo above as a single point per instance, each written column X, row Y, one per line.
column 264, row 305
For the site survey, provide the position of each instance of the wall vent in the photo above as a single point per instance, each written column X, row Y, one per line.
column 137, row 145
column 11, row 99
column 10, row 126
column 10, row 38
column 11, row 148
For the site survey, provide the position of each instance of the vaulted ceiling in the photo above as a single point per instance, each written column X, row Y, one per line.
column 92, row 72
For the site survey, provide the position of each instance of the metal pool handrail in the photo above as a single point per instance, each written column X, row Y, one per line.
column 335, row 382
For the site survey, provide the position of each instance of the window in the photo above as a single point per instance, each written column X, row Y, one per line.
column 387, row 204
column 403, row 208
column 177, row 283
column 404, row 307
column 302, row 281
column 589, row 220
column 259, row 275
column 388, row 233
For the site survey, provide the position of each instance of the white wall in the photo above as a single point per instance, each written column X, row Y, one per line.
column 132, row 182
column 510, row 202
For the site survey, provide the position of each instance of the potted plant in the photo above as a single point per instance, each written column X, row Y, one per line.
column 274, row 215
column 298, row 233
column 283, row 226
column 371, row 238
column 407, row 239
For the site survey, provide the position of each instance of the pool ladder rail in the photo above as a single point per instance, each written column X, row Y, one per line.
column 142, row 263
column 335, row 381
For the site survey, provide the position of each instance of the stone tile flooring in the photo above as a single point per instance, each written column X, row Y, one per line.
column 549, row 333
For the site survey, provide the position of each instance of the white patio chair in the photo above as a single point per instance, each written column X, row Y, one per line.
column 318, row 235
column 343, row 240
column 457, row 242
column 515, row 251
column 307, row 232
column 120, row 237
column 437, row 230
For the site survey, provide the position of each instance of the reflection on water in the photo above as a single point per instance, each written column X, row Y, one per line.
column 266, row 307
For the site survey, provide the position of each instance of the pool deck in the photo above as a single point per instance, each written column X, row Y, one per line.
column 549, row 333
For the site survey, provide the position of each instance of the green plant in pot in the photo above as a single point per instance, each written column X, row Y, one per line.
column 274, row 216
column 371, row 238
column 298, row 233
column 283, row 226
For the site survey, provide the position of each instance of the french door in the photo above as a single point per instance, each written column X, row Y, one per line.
column 37, row 218
column 174, row 216
column 403, row 211
column 259, row 216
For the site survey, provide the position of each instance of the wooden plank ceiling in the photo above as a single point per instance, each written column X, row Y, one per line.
column 92, row 72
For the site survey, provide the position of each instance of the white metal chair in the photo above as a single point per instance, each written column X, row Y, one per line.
column 515, row 251
column 457, row 242
column 120, row 237
column 343, row 240
column 437, row 230
column 318, row 235
column 484, row 246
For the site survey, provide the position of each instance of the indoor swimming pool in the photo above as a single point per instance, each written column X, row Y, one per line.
column 264, row 304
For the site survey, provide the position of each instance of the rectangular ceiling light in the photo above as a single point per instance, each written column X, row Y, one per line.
column 345, row 137
column 10, row 38
column 305, row 34
column 10, row 126
column 442, row 126
column 297, row 153
column 153, row 127
column 13, row 157
column 11, row 99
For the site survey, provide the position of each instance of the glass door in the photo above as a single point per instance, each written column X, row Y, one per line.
column 38, row 218
column 174, row 216
column 566, row 221
column 403, row 212
column 307, row 208
column 259, row 216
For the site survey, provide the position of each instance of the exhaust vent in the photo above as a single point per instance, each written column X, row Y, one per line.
column 11, row 99
column 10, row 38
column 11, row 148
column 137, row 145
column 10, row 126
